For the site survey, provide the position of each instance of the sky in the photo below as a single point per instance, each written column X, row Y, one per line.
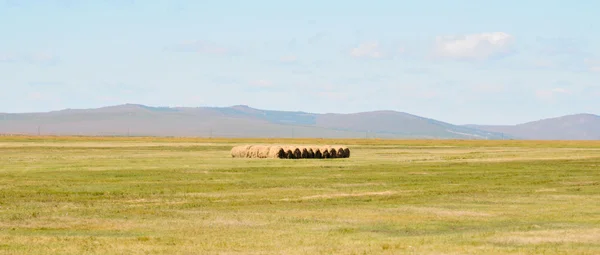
column 463, row 62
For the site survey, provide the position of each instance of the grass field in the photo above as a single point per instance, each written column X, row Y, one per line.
column 79, row 195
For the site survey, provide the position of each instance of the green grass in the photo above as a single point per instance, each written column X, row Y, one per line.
column 78, row 195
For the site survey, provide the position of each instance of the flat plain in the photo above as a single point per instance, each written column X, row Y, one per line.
column 93, row 195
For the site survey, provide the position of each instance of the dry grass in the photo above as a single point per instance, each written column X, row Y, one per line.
column 559, row 236
column 188, row 196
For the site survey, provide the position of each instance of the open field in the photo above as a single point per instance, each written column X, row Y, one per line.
column 78, row 195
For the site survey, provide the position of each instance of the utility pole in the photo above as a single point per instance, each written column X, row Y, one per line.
column 38, row 130
column 210, row 133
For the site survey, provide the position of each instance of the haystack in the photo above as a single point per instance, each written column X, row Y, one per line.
column 311, row 153
column 297, row 152
column 325, row 152
column 253, row 151
column 276, row 152
column 303, row 152
column 332, row 152
column 340, row 152
column 262, row 151
column 239, row 151
column 289, row 152
column 317, row 152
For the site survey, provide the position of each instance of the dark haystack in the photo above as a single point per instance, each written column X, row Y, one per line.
column 297, row 153
column 325, row 152
column 332, row 152
column 318, row 153
column 311, row 153
column 289, row 153
column 276, row 152
column 341, row 153
column 304, row 152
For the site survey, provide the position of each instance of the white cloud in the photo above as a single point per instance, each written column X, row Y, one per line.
column 488, row 88
column 35, row 59
column 544, row 63
column 289, row 59
column 474, row 46
column 330, row 95
column 199, row 46
column 7, row 58
column 593, row 65
column 42, row 58
column 548, row 94
column 262, row 83
column 367, row 50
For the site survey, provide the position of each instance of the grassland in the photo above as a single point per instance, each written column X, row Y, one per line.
column 77, row 195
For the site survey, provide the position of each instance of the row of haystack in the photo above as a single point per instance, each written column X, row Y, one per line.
column 290, row 152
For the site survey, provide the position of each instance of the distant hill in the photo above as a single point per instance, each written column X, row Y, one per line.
column 570, row 127
column 235, row 121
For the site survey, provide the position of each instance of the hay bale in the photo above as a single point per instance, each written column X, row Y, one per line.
column 303, row 152
column 276, row 152
column 340, row 152
column 317, row 152
column 252, row 151
column 262, row 151
column 332, row 152
column 297, row 152
column 240, row 151
column 325, row 152
column 311, row 153
column 289, row 152
column 248, row 153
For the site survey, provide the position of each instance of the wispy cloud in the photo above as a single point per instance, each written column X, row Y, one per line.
column 367, row 50
column 289, row 59
column 549, row 94
column 42, row 58
column 46, row 84
column 483, row 46
column 555, row 46
column 316, row 37
column 544, row 63
column 593, row 65
column 333, row 95
column 199, row 46
column 262, row 83
column 488, row 88
column 7, row 58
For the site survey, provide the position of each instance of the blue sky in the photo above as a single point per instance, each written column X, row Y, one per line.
column 484, row 62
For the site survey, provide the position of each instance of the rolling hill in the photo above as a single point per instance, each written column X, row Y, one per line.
column 570, row 127
column 235, row 121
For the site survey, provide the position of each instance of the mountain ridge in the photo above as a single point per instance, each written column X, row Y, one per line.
column 246, row 121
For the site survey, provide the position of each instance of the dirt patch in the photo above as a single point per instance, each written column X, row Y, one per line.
column 444, row 212
column 550, row 236
column 342, row 195
column 358, row 184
